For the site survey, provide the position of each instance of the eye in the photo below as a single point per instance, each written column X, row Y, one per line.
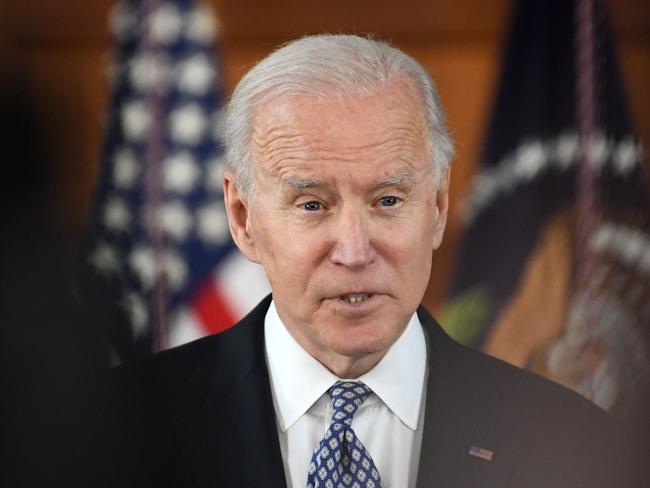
column 389, row 201
column 311, row 206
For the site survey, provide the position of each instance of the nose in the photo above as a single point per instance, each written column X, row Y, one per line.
column 352, row 246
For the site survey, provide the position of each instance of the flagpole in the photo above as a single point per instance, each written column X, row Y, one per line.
column 154, row 153
column 587, row 202
column 586, row 107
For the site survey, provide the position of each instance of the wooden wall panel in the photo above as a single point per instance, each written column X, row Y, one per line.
column 243, row 19
column 71, row 23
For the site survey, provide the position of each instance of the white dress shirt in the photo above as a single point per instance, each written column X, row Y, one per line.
column 389, row 423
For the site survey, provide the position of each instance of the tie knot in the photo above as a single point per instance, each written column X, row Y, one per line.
column 346, row 398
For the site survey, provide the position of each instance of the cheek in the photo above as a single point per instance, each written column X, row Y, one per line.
column 410, row 238
column 288, row 255
column 410, row 255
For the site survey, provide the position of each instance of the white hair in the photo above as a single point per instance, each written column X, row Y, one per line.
column 327, row 66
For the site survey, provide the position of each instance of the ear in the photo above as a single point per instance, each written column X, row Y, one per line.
column 442, row 207
column 238, row 210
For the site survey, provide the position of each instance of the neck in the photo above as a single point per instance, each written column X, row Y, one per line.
column 351, row 368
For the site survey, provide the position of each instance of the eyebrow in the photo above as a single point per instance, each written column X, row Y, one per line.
column 302, row 183
column 396, row 180
column 298, row 183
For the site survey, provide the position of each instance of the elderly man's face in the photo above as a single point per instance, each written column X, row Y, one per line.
column 345, row 218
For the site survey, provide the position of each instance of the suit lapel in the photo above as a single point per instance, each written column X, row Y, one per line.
column 460, row 414
column 231, row 439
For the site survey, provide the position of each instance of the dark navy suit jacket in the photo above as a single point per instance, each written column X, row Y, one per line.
column 201, row 415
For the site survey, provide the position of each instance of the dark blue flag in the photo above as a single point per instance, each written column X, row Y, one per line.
column 557, row 217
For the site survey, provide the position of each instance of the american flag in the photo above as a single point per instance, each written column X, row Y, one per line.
column 158, row 231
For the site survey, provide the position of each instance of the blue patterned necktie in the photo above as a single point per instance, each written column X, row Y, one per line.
column 340, row 460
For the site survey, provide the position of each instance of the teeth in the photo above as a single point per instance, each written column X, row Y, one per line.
column 355, row 297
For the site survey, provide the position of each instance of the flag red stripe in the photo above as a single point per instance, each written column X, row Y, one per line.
column 212, row 310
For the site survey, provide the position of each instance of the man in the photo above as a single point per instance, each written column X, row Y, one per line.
column 337, row 183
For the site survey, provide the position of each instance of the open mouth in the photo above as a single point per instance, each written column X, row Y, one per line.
column 355, row 297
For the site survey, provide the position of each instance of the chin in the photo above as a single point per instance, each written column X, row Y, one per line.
column 356, row 344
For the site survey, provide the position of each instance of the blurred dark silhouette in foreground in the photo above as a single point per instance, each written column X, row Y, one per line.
column 53, row 363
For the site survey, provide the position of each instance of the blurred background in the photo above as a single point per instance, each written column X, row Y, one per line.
column 57, row 53
column 523, row 90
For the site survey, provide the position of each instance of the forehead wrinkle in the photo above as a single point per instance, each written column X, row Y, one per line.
column 410, row 136
column 276, row 159
column 290, row 142
column 271, row 141
column 294, row 135
column 406, row 147
column 402, row 142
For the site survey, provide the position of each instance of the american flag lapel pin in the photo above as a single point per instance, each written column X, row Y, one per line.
column 481, row 453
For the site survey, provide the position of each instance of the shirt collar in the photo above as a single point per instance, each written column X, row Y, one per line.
column 398, row 379
column 298, row 380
